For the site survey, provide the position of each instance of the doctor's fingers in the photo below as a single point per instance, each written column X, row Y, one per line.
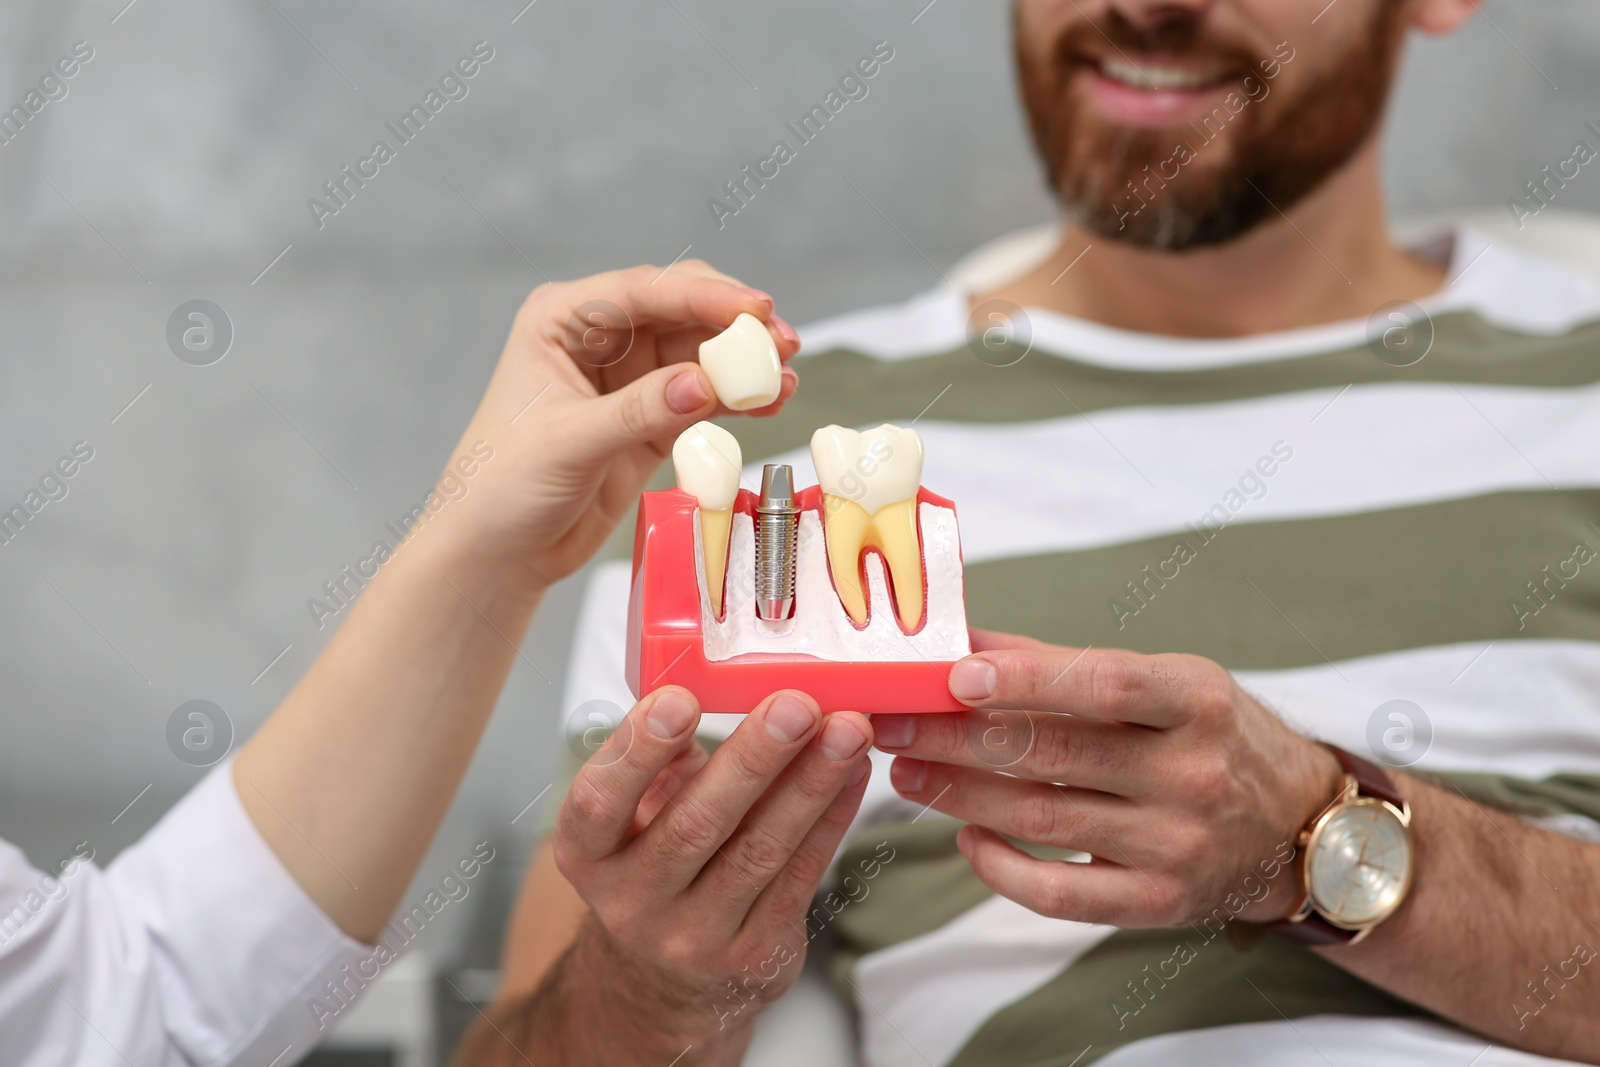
column 784, row 334
column 645, row 297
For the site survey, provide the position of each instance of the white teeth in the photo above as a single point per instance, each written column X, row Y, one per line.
column 874, row 468
column 1151, row 76
column 869, row 483
column 743, row 365
column 707, row 461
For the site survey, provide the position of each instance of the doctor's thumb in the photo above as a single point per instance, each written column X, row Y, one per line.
column 659, row 405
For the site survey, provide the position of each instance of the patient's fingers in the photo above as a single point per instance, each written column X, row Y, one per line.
column 598, row 814
column 789, row 894
column 708, row 809
column 684, row 766
column 765, row 843
column 991, row 640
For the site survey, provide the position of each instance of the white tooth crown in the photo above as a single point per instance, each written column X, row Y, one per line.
column 869, row 491
column 743, row 365
column 872, row 468
column 707, row 461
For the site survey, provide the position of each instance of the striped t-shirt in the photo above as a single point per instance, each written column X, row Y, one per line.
column 1404, row 561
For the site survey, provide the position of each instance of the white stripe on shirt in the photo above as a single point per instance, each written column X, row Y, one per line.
column 1512, row 288
column 921, row 1000
column 1372, row 448
column 1336, row 1040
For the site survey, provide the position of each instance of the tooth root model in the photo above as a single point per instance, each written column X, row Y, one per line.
column 869, row 484
column 743, row 365
column 851, row 591
column 707, row 461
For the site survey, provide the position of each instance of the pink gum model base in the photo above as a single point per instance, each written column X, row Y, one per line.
column 666, row 647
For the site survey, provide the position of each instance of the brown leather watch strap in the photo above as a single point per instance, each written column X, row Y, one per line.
column 1312, row 930
column 1372, row 779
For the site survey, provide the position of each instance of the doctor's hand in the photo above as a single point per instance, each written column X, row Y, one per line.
column 699, row 871
column 597, row 379
column 1187, row 793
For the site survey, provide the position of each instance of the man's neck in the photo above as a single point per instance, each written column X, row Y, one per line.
column 1329, row 260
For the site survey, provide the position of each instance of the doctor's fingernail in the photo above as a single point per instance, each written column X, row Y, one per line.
column 788, row 719
column 908, row 774
column 973, row 679
column 670, row 715
column 758, row 294
column 687, row 392
column 863, row 769
column 841, row 740
column 785, row 331
column 893, row 731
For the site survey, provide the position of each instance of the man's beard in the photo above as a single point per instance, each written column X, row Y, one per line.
column 1134, row 184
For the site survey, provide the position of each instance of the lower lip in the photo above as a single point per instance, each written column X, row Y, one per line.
column 1150, row 107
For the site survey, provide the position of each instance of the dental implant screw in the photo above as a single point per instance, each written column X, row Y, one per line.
column 777, row 526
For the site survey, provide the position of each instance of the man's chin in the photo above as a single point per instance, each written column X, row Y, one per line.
column 1174, row 220
column 1161, row 189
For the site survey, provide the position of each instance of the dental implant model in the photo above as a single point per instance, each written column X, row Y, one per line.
column 777, row 521
column 851, row 590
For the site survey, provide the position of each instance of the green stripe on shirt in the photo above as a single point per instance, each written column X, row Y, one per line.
column 850, row 388
column 854, row 389
column 1273, row 595
column 1107, row 997
column 1142, row 983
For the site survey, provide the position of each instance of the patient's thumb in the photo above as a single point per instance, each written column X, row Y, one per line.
column 660, row 404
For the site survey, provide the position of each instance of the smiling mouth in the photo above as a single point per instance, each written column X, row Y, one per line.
column 1156, row 74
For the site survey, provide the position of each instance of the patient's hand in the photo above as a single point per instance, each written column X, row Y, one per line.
column 1185, row 790
column 597, row 379
column 698, row 898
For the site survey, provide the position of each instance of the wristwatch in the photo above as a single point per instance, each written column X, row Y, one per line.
column 1354, row 859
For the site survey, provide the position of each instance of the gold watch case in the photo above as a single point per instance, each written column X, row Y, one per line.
column 1373, row 891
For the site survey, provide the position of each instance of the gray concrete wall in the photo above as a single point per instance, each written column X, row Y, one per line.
column 178, row 166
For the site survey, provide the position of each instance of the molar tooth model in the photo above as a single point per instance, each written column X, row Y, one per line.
column 851, row 590
column 877, row 511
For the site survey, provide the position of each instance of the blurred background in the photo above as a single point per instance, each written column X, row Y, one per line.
column 178, row 166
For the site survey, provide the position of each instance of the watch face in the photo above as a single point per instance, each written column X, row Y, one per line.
column 1360, row 864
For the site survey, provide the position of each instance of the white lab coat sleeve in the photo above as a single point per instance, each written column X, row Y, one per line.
column 195, row 947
